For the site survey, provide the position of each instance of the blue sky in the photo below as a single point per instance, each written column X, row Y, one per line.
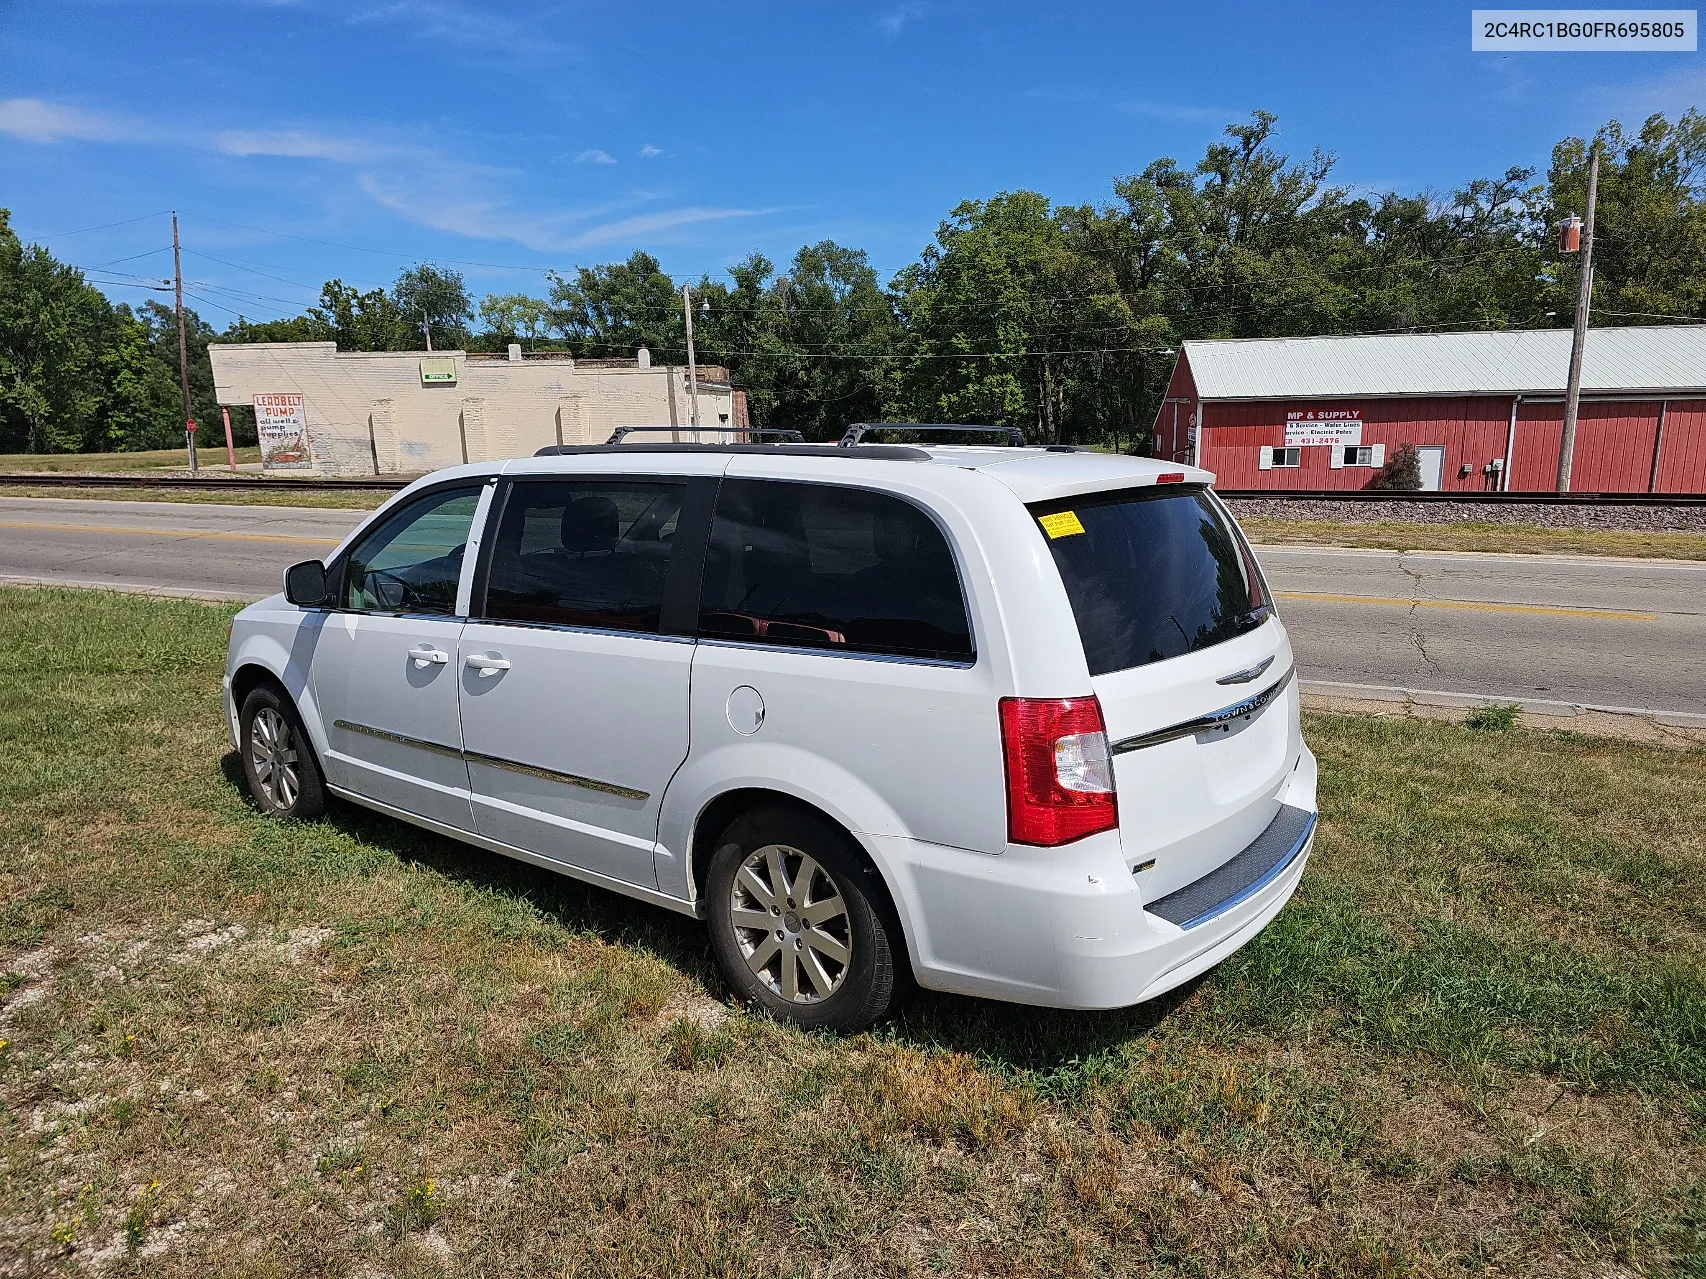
column 510, row 138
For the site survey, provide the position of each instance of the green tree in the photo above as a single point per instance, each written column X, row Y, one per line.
column 611, row 311
column 811, row 348
column 162, row 327
column 1007, row 319
column 52, row 331
column 143, row 406
column 1649, row 253
column 515, row 317
column 437, row 297
column 358, row 321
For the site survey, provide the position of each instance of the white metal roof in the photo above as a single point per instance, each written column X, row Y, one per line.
column 1658, row 358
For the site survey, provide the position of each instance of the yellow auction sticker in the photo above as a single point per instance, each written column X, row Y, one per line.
column 1061, row 524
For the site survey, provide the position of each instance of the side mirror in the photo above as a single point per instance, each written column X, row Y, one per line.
column 305, row 584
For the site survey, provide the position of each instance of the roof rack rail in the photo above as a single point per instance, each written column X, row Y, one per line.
column 621, row 432
column 859, row 430
column 884, row 452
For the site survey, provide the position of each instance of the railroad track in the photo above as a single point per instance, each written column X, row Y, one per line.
column 1472, row 499
column 378, row 484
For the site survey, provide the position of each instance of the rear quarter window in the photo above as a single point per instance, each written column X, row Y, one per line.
column 823, row 566
column 1151, row 573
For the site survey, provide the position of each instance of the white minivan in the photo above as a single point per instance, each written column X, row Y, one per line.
column 1011, row 722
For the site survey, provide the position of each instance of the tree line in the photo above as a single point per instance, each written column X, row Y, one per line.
column 1060, row 319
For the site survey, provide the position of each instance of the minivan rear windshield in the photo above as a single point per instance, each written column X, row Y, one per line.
column 1152, row 573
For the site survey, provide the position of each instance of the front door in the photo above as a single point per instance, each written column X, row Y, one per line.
column 1432, row 458
column 385, row 668
column 574, row 706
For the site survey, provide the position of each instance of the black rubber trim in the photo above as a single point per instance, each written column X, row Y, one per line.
column 679, row 612
column 488, row 547
column 1244, row 876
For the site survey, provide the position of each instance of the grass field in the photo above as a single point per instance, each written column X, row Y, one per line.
column 1474, row 1044
column 1509, row 539
column 211, row 457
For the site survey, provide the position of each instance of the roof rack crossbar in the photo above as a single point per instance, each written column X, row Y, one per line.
column 859, row 430
column 617, row 436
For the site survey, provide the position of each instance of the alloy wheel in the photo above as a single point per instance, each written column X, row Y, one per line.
column 272, row 753
column 791, row 924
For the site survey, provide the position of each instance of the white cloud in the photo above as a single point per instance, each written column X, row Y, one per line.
column 896, row 19
column 299, row 144
column 1671, row 93
column 651, row 223
column 476, row 26
column 414, row 182
column 1146, row 107
column 36, row 121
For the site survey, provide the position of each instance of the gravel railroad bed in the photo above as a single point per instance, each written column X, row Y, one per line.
column 1639, row 519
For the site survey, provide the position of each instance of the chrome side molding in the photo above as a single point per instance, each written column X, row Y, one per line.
column 496, row 761
column 385, row 735
column 1202, row 723
column 552, row 775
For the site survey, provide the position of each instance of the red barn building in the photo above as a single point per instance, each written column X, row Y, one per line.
column 1484, row 410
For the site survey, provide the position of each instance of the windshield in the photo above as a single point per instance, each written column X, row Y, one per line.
column 1152, row 573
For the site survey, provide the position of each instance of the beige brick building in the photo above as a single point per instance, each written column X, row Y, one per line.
column 408, row 412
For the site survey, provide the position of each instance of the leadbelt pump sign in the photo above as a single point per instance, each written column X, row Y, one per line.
column 1323, row 426
column 283, row 431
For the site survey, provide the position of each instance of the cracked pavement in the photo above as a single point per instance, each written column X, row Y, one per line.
column 1601, row 632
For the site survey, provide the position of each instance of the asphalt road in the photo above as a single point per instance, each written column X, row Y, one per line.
column 1598, row 632
column 229, row 552
column 1610, row 633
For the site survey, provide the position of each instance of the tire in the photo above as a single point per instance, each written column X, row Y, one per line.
column 807, row 934
column 278, row 759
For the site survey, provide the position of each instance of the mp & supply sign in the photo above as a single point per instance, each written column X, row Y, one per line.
column 1323, row 426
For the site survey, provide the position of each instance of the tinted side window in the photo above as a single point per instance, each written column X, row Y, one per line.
column 828, row 567
column 584, row 553
column 412, row 562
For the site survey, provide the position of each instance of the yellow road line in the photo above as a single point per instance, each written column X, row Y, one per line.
column 172, row 532
column 1616, row 615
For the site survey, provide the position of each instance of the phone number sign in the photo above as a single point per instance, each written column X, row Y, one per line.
column 1323, row 426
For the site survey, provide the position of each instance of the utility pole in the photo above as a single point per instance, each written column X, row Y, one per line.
column 426, row 328
column 1584, row 300
column 183, row 348
column 692, row 367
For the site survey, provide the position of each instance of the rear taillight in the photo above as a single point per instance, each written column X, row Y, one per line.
column 1060, row 772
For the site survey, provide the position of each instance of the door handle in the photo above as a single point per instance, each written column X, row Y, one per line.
column 487, row 664
column 426, row 655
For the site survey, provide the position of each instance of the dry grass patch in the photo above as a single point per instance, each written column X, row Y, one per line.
column 1476, row 1042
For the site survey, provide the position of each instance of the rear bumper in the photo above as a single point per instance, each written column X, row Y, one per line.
column 1068, row 928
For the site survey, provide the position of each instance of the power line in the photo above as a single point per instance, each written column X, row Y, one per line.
column 146, row 254
column 249, row 269
column 60, row 235
column 1650, row 315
